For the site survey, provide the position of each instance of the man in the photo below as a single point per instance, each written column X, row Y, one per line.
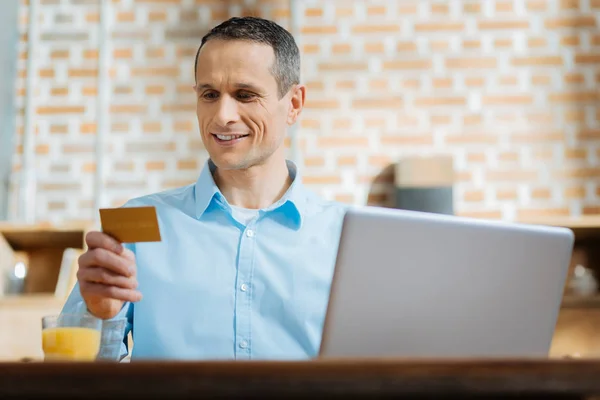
column 247, row 253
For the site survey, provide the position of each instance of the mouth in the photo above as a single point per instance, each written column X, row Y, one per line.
column 228, row 139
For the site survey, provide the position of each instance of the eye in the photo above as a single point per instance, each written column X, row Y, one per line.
column 210, row 95
column 245, row 96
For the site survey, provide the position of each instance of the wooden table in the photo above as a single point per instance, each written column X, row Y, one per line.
column 334, row 378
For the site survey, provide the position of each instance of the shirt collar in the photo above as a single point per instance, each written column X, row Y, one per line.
column 292, row 204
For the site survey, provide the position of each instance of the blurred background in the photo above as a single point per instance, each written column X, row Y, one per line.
column 490, row 105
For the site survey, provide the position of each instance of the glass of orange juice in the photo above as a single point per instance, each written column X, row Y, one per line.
column 71, row 337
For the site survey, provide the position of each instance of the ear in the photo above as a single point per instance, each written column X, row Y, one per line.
column 297, row 96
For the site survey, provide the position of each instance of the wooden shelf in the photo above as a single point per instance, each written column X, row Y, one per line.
column 583, row 227
column 581, row 302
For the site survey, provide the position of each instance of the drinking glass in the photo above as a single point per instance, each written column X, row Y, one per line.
column 71, row 337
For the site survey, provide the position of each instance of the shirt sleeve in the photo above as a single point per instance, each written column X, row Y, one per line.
column 76, row 305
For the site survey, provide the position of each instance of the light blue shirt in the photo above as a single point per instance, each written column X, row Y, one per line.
column 216, row 289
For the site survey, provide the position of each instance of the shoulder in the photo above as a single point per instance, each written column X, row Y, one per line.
column 171, row 197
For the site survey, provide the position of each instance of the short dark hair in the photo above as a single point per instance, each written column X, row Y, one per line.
column 286, row 68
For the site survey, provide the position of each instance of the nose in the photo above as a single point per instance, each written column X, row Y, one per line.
column 227, row 111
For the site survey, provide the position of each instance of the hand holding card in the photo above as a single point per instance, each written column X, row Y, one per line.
column 131, row 224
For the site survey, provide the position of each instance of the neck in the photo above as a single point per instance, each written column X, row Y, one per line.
column 256, row 187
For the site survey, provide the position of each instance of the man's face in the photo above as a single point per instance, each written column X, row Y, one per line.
column 241, row 118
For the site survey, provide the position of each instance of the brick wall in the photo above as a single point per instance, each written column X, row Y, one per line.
column 507, row 87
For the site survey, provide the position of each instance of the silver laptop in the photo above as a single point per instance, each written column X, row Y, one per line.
column 422, row 285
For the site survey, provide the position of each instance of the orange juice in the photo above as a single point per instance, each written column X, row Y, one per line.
column 71, row 343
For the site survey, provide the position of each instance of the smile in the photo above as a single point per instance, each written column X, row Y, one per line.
column 228, row 137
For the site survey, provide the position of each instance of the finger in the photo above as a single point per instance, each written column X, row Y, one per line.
column 110, row 292
column 107, row 259
column 101, row 240
column 106, row 277
column 128, row 254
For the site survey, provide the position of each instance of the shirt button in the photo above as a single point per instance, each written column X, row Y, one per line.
column 250, row 233
column 244, row 287
column 243, row 344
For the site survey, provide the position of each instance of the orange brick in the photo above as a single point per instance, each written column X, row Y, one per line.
column 537, row 42
column 127, row 109
column 155, row 166
column 407, row 120
column 508, row 156
column 440, row 101
column 543, row 154
column 319, row 30
column 280, row 13
column 123, row 90
column 58, row 91
column 471, row 62
column 92, row 17
column 574, row 79
column 183, row 126
column 155, row 53
column 178, row 107
column 46, row 73
column 575, row 115
column 540, row 137
column 344, row 66
column 503, row 24
column 344, row 12
column 56, row 205
column 471, row 138
column 506, row 194
column 152, row 127
column 576, row 22
column 375, row 123
column 313, row 12
column 379, row 28
column 377, row 103
column 507, row 80
column 42, row 149
column 62, row 129
column 314, row 161
column 77, row 148
column 406, row 140
column 405, row 9
column 328, row 104
column 503, row 43
column 124, row 166
column 480, row 214
column 344, row 198
column 476, row 158
column 187, row 165
column 540, row 80
column 406, row 46
column 439, row 45
column 569, row 5
column 507, row 99
column 119, row 127
column 411, row 83
column 155, row 89
column 440, row 119
column 341, row 48
column 525, row 214
column 123, row 53
column 504, row 6
column 310, row 124
column 56, row 54
column 474, row 196
column 342, row 123
column 379, row 84
column 87, row 128
column 537, row 5
column 516, row 175
column 88, row 167
column 374, row 47
column 440, row 9
column 45, row 110
column 376, row 10
column 321, row 179
column 197, row 144
column 472, row 8
column 591, row 210
column 471, row 44
column 575, row 192
column 156, row 71
column 157, row 16
column 344, row 85
column 572, row 41
column 442, row 82
column 572, row 97
column 315, row 85
column 588, row 134
column 342, row 141
column 589, row 58
column 537, row 60
column 89, row 91
column 439, row 26
column 90, row 54
column 59, row 187
column 311, row 48
column 346, row 161
column 407, row 64
column 472, row 119
column 474, row 81
column 379, row 161
column 126, row 16
column 579, row 173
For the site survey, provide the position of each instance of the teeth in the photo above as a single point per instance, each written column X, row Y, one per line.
column 229, row 137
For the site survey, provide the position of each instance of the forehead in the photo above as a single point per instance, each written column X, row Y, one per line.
column 235, row 60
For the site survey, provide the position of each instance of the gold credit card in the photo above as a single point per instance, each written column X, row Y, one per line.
column 131, row 224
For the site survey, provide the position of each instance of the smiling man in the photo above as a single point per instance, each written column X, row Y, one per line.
column 247, row 253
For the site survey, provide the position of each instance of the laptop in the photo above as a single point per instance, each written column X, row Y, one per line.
column 416, row 285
